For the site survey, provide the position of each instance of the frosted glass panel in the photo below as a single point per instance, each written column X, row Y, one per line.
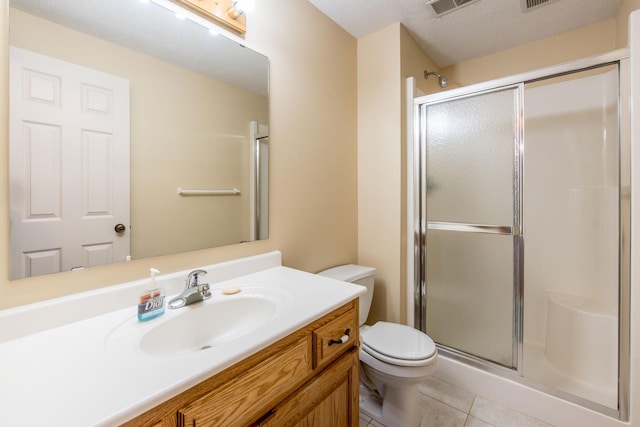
column 470, row 146
column 470, row 293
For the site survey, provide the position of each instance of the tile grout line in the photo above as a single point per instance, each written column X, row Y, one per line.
column 451, row 406
column 475, row 396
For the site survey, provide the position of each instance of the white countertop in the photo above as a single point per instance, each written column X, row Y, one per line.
column 86, row 371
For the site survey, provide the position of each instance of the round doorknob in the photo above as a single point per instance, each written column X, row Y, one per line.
column 120, row 228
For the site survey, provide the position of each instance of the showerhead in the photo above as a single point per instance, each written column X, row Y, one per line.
column 442, row 80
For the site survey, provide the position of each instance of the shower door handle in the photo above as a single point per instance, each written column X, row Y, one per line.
column 474, row 228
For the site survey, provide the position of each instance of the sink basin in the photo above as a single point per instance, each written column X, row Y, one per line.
column 203, row 326
column 220, row 320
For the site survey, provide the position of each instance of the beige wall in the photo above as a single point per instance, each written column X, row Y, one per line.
column 313, row 151
column 385, row 59
column 379, row 199
column 206, row 145
column 586, row 41
column 414, row 62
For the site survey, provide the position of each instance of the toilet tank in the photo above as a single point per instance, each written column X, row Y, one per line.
column 360, row 275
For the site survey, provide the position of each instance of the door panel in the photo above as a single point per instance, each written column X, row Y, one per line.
column 42, row 192
column 470, row 184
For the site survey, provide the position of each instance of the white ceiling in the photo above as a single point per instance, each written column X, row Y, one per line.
column 473, row 30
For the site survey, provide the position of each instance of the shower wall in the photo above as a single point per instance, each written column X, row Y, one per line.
column 571, row 190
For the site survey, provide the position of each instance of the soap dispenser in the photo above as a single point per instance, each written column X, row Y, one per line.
column 151, row 304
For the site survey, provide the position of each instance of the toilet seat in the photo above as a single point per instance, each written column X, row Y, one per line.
column 397, row 344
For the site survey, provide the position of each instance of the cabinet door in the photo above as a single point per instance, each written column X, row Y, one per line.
column 244, row 398
column 330, row 399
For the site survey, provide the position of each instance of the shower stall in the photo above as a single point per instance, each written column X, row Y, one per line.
column 522, row 239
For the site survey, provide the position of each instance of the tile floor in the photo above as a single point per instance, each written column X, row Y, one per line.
column 445, row 405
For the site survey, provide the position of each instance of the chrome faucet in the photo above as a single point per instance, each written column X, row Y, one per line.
column 193, row 291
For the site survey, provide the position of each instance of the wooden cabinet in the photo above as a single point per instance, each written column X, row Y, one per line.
column 329, row 399
column 309, row 378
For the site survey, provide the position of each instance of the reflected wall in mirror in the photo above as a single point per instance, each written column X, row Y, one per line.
column 114, row 106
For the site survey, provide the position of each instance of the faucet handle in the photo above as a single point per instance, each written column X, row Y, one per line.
column 204, row 290
column 192, row 279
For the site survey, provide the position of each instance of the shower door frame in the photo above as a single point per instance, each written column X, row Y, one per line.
column 418, row 231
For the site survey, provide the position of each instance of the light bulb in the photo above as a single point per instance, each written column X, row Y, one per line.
column 244, row 6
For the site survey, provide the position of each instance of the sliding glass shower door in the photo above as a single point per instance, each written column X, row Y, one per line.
column 471, row 173
column 523, row 226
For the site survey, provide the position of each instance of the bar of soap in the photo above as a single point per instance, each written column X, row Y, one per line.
column 230, row 291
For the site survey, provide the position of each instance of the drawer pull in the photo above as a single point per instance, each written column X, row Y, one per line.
column 343, row 339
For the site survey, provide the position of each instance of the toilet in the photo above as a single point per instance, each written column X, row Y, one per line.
column 394, row 358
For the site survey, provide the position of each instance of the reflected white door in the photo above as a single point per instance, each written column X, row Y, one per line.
column 69, row 165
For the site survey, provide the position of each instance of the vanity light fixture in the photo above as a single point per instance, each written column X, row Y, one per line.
column 182, row 15
column 230, row 13
column 240, row 7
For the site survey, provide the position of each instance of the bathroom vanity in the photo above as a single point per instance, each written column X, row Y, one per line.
column 302, row 377
column 283, row 350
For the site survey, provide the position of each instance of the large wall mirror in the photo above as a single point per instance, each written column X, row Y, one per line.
column 133, row 134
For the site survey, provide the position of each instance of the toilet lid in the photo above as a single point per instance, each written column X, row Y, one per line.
column 398, row 341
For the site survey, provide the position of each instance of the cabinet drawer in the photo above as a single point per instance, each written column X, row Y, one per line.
column 248, row 396
column 327, row 338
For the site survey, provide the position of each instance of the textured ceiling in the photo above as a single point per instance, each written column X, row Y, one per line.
column 474, row 30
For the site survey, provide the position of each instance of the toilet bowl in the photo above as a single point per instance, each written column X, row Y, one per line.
column 394, row 359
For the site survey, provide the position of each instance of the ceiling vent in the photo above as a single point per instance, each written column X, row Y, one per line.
column 528, row 5
column 441, row 7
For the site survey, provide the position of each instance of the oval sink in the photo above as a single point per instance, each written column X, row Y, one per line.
column 203, row 326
